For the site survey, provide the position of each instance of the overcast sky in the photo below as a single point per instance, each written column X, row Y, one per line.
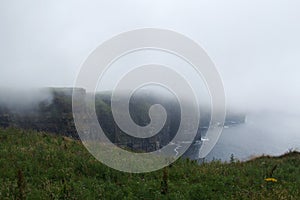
column 255, row 44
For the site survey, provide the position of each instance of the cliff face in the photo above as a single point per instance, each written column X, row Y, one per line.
column 53, row 113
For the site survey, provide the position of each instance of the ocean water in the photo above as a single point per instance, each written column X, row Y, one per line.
column 265, row 133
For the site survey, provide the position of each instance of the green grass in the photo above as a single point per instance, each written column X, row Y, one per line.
column 41, row 166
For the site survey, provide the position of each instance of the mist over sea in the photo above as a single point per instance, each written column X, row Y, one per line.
column 268, row 133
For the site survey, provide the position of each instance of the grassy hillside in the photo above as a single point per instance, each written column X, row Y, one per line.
column 41, row 166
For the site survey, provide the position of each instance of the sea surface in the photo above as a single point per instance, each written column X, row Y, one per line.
column 264, row 133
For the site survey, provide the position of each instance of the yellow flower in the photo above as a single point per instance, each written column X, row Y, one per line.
column 271, row 180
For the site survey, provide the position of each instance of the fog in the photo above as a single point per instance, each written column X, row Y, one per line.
column 263, row 134
column 254, row 44
column 24, row 99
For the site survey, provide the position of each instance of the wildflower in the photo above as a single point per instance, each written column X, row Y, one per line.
column 274, row 180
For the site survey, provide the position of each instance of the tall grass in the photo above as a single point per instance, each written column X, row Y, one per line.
column 42, row 166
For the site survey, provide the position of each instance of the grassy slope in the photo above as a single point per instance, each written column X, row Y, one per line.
column 40, row 166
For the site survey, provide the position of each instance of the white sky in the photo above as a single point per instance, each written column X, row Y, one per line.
column 255, row 44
